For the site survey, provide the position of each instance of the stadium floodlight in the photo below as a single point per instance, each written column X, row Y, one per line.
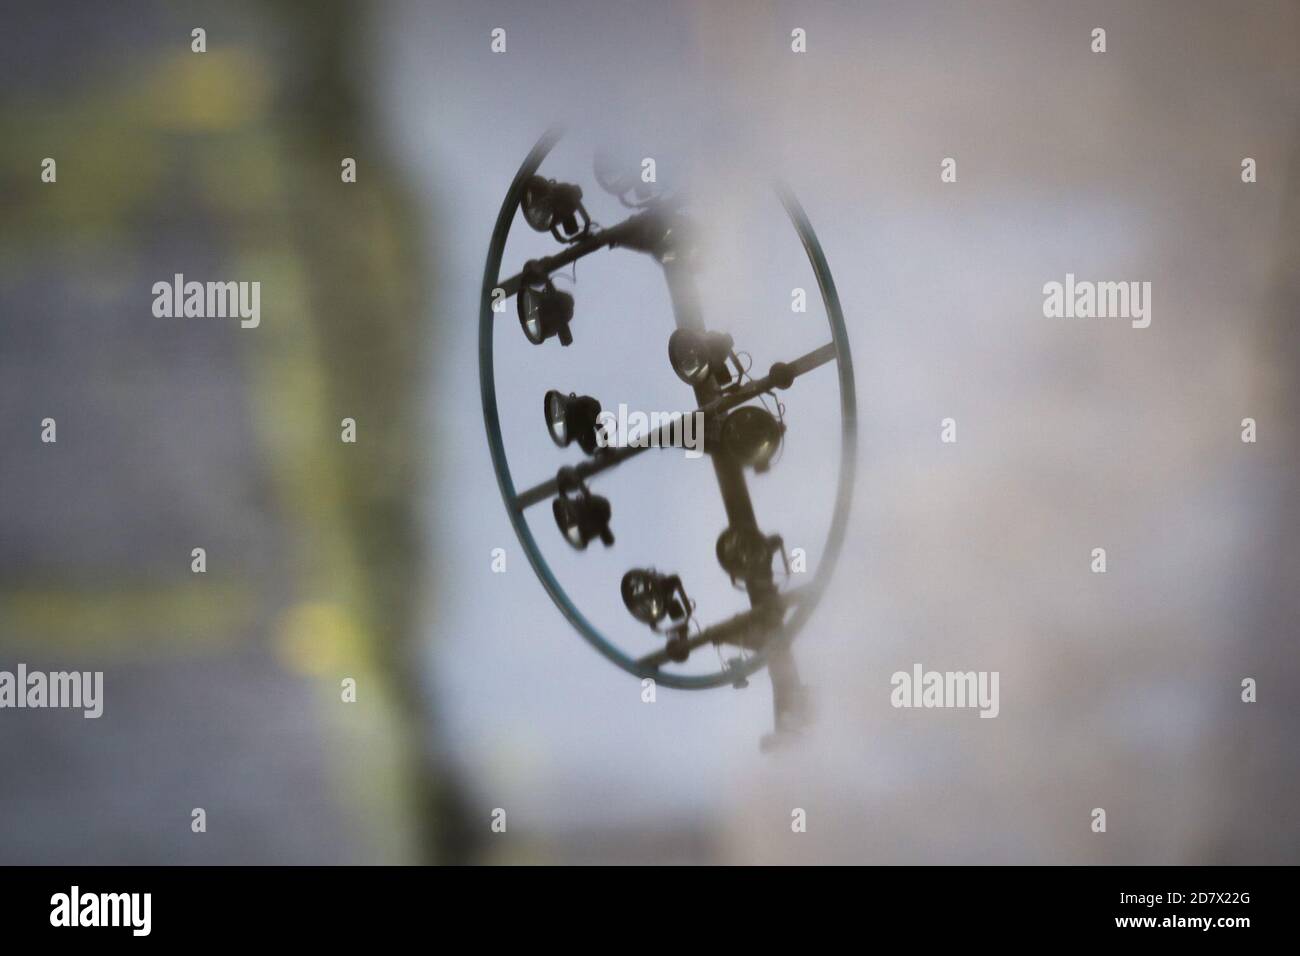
column 650, row 597
column 746, row 553
column 544, row 310
column 571, row 418
column 556, row 208
column 623, row 179
column 752, row 435
column 581, row 516
column 697, row 356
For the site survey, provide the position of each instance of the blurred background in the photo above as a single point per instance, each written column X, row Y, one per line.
column 374, row 560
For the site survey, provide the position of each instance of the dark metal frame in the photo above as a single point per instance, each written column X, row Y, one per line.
column 638, row 232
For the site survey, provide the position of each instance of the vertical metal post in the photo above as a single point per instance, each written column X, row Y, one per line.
column 789, row 697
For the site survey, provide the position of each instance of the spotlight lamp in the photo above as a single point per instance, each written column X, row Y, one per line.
column 698, row 356
column 581, row 516
column 556, row 208
column 623, row 179
column 544, row 310
column 752, row 435
column 571, row 418
column 746, row 553
column 651, row 597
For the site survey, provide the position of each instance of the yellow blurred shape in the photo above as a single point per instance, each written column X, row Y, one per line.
column 318, row 638
column 127, row 620
column 212, row 91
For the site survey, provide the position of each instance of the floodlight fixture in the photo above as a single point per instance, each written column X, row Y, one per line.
column 581, row 516
column 752, row 435
column 555, row 207
column 544, row 311
column 623, row 180
column 651, row 597
column 745, row 553
column 571, row 418
column 698, row 356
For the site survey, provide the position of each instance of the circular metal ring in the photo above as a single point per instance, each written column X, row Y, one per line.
column 491, row 420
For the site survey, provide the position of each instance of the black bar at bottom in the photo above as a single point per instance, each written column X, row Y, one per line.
column 975, row 906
